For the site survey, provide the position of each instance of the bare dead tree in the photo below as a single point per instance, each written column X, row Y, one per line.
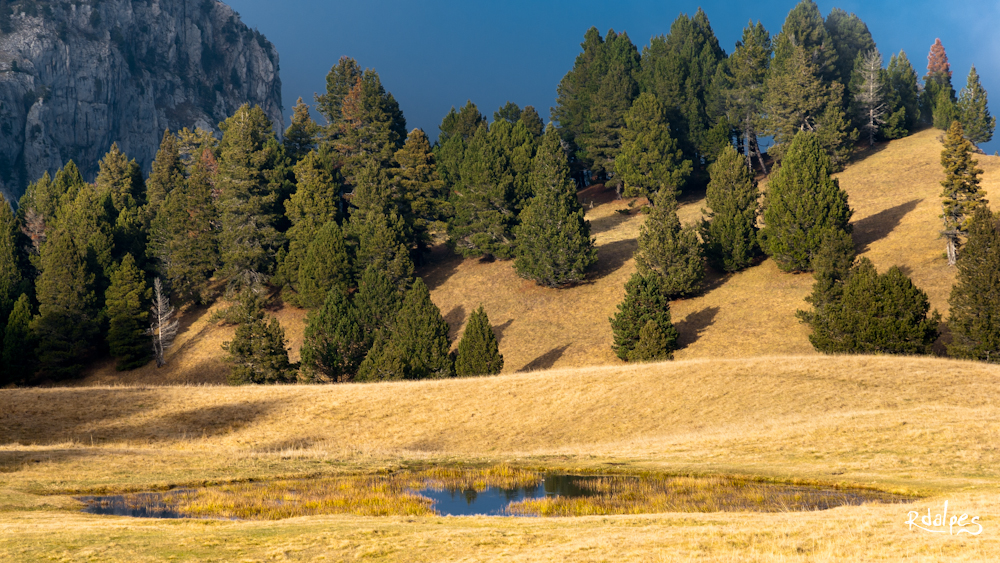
column 34, row 229
column 164, row 327
column 870, row 96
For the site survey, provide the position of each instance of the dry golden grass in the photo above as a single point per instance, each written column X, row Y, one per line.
column 906, row 425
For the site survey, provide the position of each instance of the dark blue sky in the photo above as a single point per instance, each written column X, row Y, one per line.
column 435, row 54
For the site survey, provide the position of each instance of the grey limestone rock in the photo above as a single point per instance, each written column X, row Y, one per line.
column 77, row 76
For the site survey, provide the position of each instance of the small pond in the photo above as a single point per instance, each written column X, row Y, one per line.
column 498, row 491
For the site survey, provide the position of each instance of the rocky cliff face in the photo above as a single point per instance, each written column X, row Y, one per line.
column 77, row 76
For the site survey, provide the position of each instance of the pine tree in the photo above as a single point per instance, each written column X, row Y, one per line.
column 18, row 344
column 680, row 70
column 66, row 327
column 166, row 176
column 831, row 267
column 743, row 91
column 378, row 301
column 381, row 235
column 974, row 319
column 653, row 345
column 316, row 202
column 645, row 302
column 650, row 159
column 126, row 300
column 798, row 99
column 418, row 345
column 803, row 203
column 463, row 123
column 190, row 242
column 849, row 37
column 326, row 266
column 249, row 186
column 730, row 230
column 257, row 351
column 962, row 193
column 11, row 276
column 601, row 142
column 334, row 344
column 938, row 97
column 532, row 121
column 300, row 137
column 121, row 180
column 973, row 111
column 904, row 106
column 478, row 351
column 869, row 95
column 554, row 247
column 339, row 81
column 510, row 112
column 876, row 314
column 163, row 326
column 371, row 127
column 422, row 194
column 669, row 250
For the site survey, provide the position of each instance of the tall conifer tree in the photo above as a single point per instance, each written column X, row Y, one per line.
column 300, row 137
column 127, row 303
column 669, row 250
column 18, row 345
column 422, row 194
column 730, row 230
column 743, row 88
column 802, row 205
column 938, row 97
column 554, row 247
column 962, row 193
column 478, row 351
column 371, row 127
column 974, row 319
column 339, row 81
column 325, row 266
column 376, row 226
column 257, row 352
column 973, row 111
column 645, row 302
column 334, row 344
column 650, row 159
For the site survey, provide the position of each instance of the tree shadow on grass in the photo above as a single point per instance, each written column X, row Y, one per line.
column 545, row 361
column 880, row 225
column 608, row 223
column 694, row 325
column 498, row 330
column 612, row 256
column 455, row 318
column 440, row 263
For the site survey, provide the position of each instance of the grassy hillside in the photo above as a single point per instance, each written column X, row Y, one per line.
column 893, row 189
column 899, row 424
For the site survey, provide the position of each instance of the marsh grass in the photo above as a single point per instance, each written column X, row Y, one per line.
column 397, row 494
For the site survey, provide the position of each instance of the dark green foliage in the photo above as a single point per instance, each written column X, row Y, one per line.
column 463, row 123
column 517, row 145
column 18, row 344
column 377, row 300
column 849, row 37
column 326, row 266
column 669, row 250
column 975, row 299
column 805, row 28
column 831, row 267
column 742, row 88
column 644, row 302
column 650, row 159
column 120, row 179
column 532, row 121
column 653, row 345
column 127, row 301
column 876, row 314
column 422, row 195
column 300, row 137
column 478, row 351
column 973, row 111
column 416, row 348
column 554, row 247
column 372, row 127
column 249, row 183
column 257, row 351
column 11, row 276
column 680, row 70
column 903, row 112
column 938, row 97
column 730, row 231
column 335, row 343
column 316, row 202
column 381, row 235
column 798, row 98
column 167, row 175
column 593, row 97
column 66, row 327
column 803, row 204
column 339, row 81
column 487, row 199
column 510, row 112
column 962, row 193
column 945, row 111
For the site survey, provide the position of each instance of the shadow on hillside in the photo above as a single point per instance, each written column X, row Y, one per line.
column 878, row 226
column 498, row 330
column 612, row 256
column 862, row 151
column 609, row 223
column 455, row 318
column 12, row 461
column 440, row 264
column 209, row 421
column 692, row 327
column 545, row 361
column 940, row 348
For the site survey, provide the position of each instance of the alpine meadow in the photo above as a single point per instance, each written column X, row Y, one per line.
column 722, row 301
